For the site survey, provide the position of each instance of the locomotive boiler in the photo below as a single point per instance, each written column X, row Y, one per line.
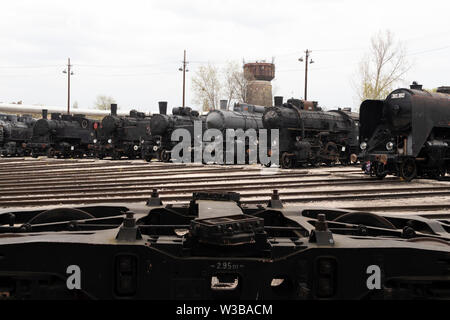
column 63, row 136
column 243, row 117
column 122, row 135
column 15, row 133
column 309, row 135
column 407, row 134
column 159, row 144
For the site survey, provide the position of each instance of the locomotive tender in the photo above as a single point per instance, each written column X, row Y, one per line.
column 309, row 135
column 15, row 132
column 407, row 134
column 63, row 136
column 217, row 248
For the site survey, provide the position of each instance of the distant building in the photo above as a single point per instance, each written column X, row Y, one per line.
column 259, row 88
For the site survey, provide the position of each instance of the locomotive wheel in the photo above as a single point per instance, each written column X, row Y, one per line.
column 328, row 163
column 51, row 153
column 365, row 218
column 287, row 161
column 60, row 214
column 164, row 155
column 408, row 169
column 314, row 163
column 330, row 153
column 380, row 173
column 116, row 155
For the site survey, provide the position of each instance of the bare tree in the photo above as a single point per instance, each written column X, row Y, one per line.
column 230, row 88
column 104, row 102
column 382, row 67
column 241, row 80
column 236, row 82
column 206, row 87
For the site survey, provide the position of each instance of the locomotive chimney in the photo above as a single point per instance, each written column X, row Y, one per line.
column 44, row 113
column 278, row 101
column 416, row 86
column 162, row 107
column 113, row 109
column 223, row 104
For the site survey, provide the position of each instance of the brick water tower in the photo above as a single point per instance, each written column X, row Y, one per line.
column 259, row 75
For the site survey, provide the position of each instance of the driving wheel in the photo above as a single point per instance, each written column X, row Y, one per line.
column 408, row 169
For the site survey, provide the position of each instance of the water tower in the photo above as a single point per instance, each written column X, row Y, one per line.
column 259, row 75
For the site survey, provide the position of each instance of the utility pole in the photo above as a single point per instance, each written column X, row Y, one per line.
column 307, row 52
column 69, row 73
column 183, row 68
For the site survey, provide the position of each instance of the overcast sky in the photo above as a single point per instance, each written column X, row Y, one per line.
column 131, row 50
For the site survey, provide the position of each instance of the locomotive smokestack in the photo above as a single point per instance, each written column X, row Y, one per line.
column 44, row 113
column 278, row 101
column 223, row 104
column 416, row 86
column 162, row 107
column 113, row 109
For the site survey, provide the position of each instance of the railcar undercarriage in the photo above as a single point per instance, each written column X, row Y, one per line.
column 216, row 248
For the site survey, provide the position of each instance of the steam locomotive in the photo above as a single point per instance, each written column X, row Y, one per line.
column 122, row 135
column 15, row 132
column 217, row 248
column 63, row 136
column 159, row 145
column 407, row 134
column 309, row 135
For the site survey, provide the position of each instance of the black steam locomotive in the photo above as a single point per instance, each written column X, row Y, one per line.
column 242, row 117
column 309, row 135
column 217, row 248
column 122, row 135
column 159, row 145
column 407, row 134
column 63, row 136
column 15, row 132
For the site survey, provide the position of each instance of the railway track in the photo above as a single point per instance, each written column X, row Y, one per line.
column 39, row 182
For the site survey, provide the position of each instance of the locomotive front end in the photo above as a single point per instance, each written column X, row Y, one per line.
column 406, row 134
column 384, row 136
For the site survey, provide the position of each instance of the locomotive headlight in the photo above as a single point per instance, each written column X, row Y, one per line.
column 135, row 148
column 363, row 145
column 95, row 140
column 109, row 141
column 155, row 148
column 389, row 146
